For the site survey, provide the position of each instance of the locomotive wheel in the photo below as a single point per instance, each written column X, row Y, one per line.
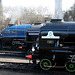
column 44, row 63
column 70, row 67
column 29, row 52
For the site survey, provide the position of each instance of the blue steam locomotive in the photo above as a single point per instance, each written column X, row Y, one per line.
column 14, row 37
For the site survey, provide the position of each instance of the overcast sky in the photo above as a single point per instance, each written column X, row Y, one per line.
column 66, row 4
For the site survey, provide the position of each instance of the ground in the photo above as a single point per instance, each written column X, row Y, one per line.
column 11, row 72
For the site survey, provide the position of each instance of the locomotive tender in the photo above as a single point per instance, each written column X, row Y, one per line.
column 53, row 44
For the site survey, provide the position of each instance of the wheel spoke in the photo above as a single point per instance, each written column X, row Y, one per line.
column 44, row 63
column 29, row 52
column 70, row 67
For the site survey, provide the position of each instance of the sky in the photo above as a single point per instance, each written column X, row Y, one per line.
column 49, row 4
column 66, row 4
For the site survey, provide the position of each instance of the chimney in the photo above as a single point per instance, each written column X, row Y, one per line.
column 58, row 9
column 18, row 21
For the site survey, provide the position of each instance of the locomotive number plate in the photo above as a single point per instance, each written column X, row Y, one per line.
column 50, row 42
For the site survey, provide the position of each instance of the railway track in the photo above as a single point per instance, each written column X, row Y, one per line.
column 23, row 65
column 31, row 68
column 15, row 60
column 6, row 52
column 15, row 66
column 17, row 63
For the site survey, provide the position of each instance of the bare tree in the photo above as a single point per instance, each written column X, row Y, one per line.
column 32, row 15
column 25, row 15
column 1, row 14
column 70, row 14
column 12, row 12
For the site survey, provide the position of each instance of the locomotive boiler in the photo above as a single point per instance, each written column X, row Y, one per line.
column 53, row 44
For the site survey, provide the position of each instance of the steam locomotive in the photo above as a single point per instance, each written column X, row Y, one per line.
column 53, row 44
column 14, row 37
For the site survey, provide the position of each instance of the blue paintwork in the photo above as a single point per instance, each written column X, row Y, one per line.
column 16, row 31
column 62, row 51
